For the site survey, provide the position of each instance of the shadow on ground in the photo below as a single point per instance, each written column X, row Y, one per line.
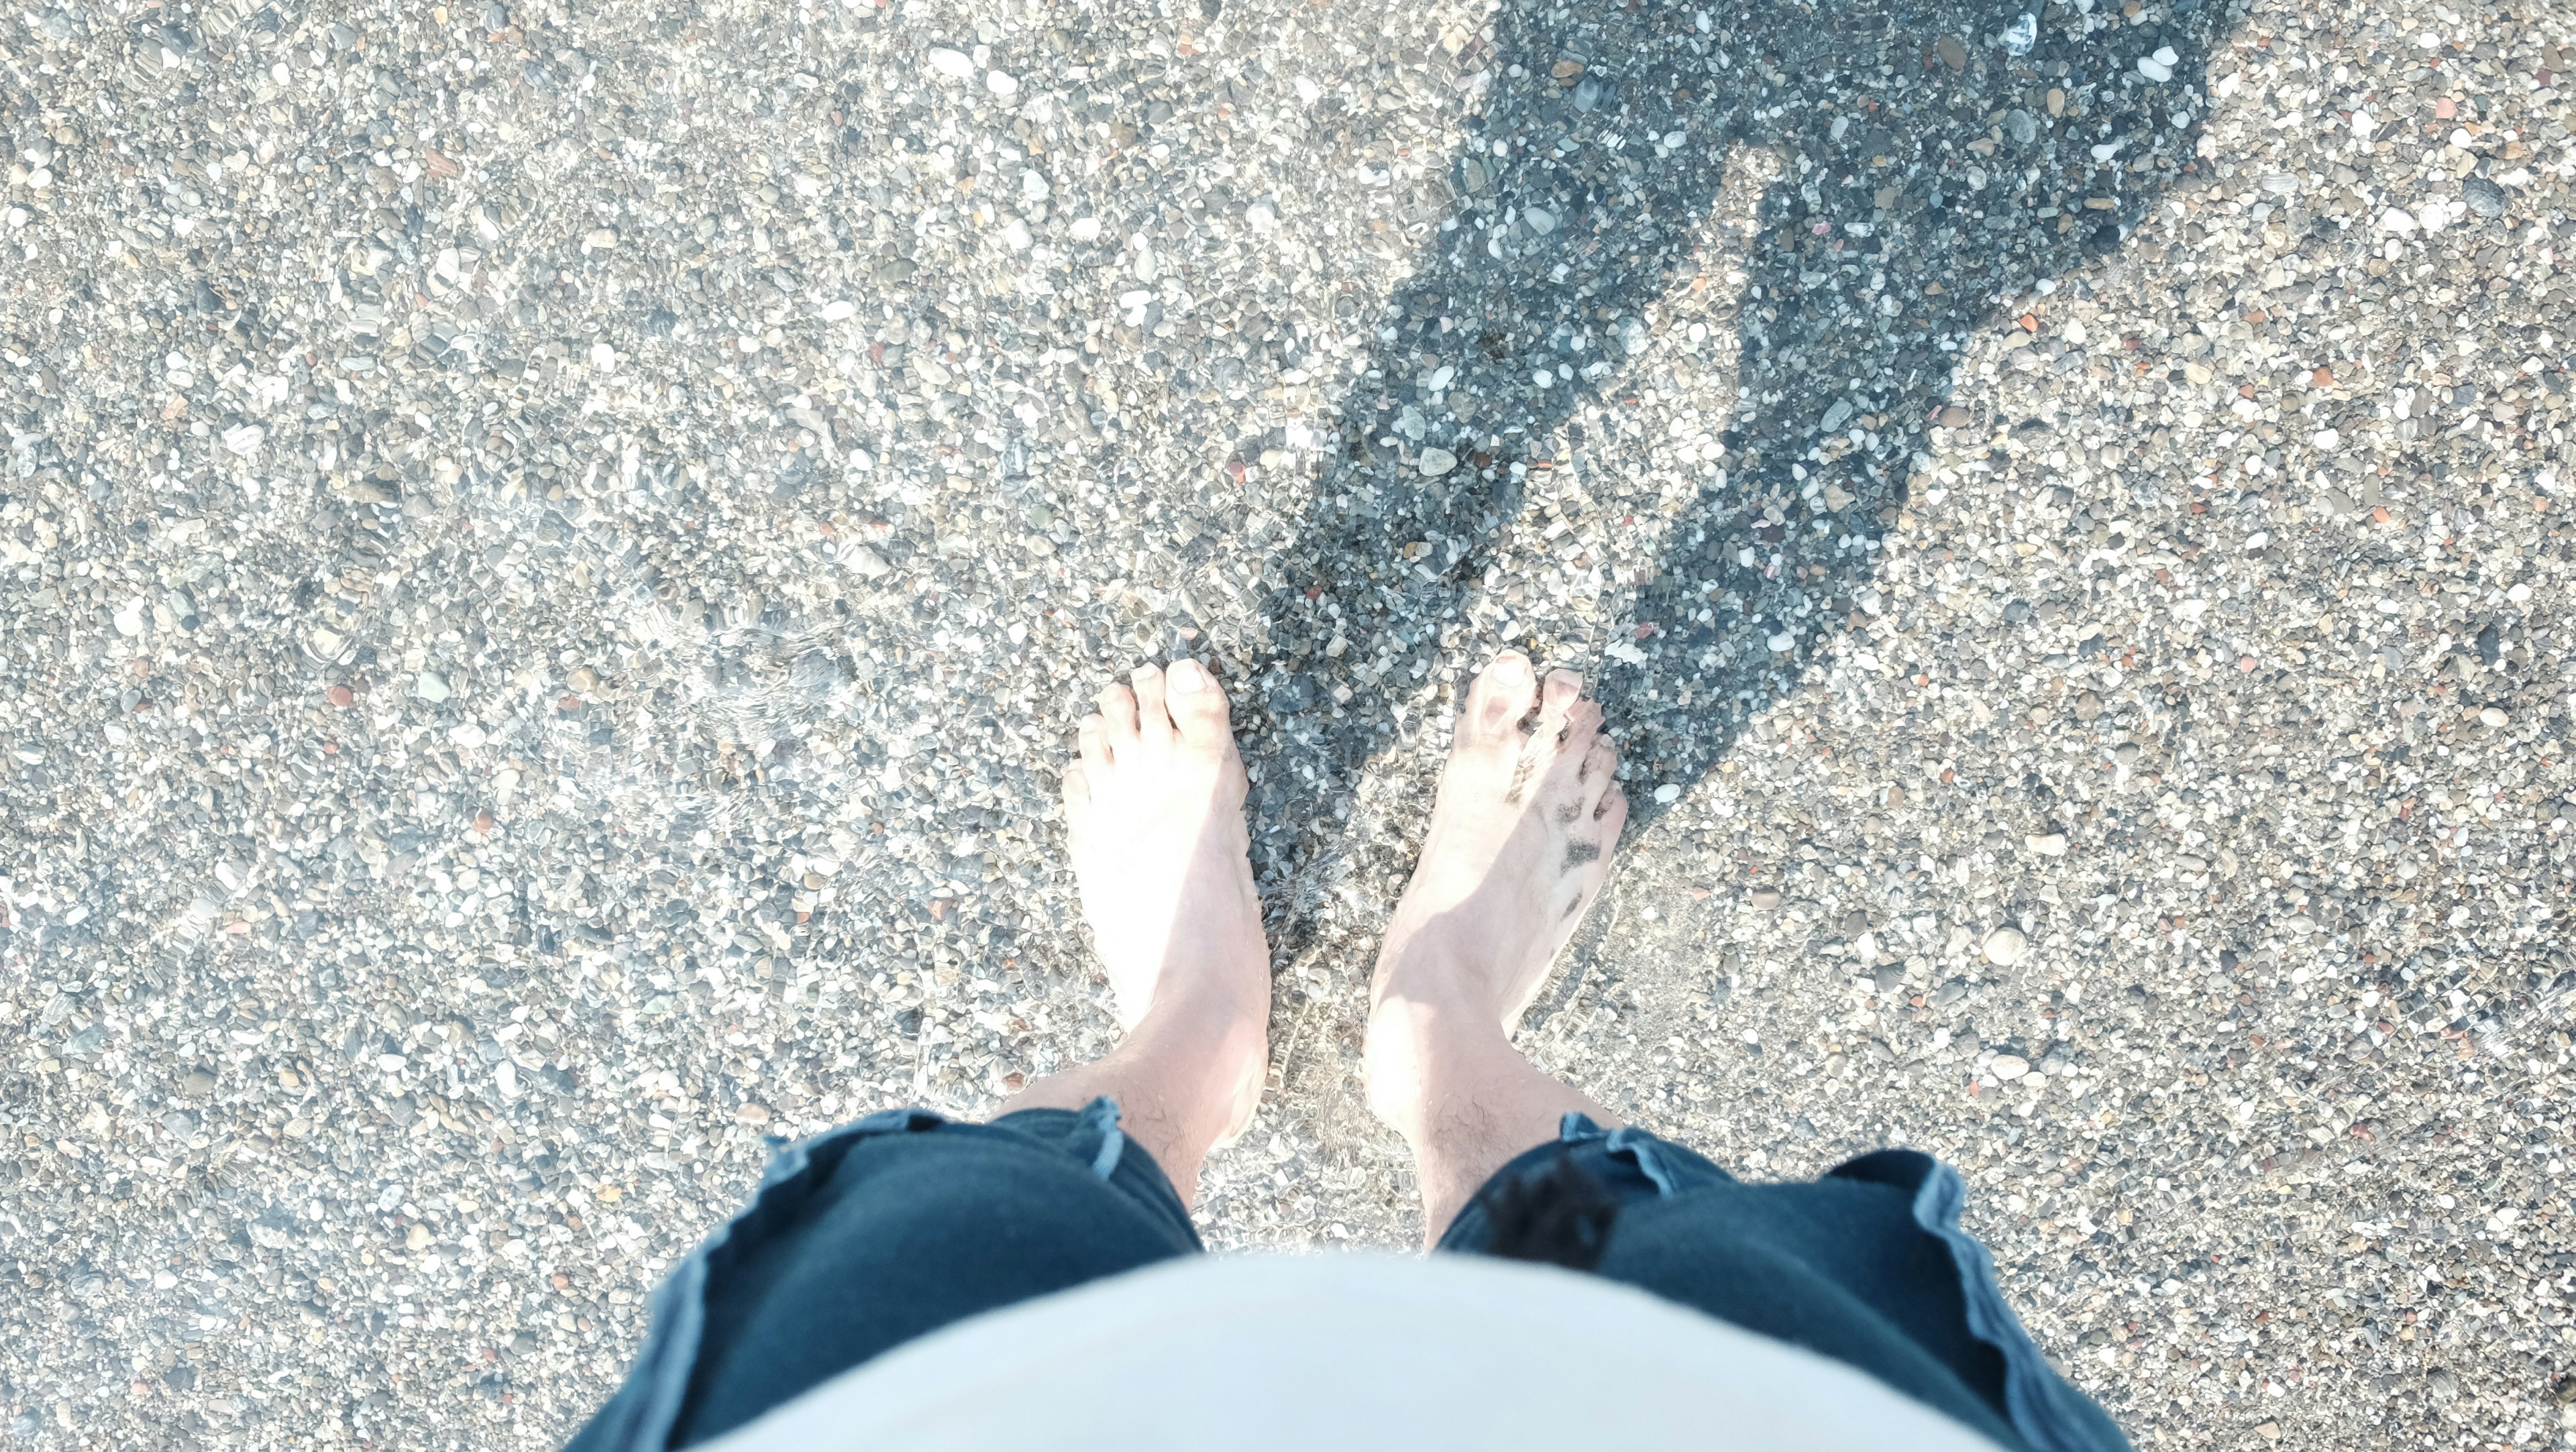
column 1905, row 175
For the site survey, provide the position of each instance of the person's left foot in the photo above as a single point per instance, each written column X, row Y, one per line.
column 1160, row 850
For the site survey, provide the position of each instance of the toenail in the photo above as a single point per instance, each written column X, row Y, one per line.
column 1186, row 677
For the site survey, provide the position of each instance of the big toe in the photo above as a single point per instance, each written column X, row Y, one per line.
column 1197, row 707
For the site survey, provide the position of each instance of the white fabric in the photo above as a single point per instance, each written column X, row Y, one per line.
column 1350, row 1351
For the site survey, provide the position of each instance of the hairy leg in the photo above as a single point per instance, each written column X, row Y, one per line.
column 1527, row 815
column 1155, row 810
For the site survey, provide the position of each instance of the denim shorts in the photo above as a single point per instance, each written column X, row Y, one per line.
column 882, row 1230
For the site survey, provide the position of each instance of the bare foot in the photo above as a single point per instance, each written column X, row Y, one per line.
column 1520, row 839
column 1160, row 851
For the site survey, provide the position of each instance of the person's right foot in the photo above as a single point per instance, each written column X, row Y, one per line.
column 1160, row 850
column 1521, row 835
column 1154, row 815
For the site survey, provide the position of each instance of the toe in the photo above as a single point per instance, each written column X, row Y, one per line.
column 1091, row 742
column 1570, row 734
column 1197, row 707
column 1117, row 718
column 1500, row 697
column 1558, row 696
column 1153, row 715
column 1612, row 814
column 1077, row 788
column 1600, row 768
column 1597, row 790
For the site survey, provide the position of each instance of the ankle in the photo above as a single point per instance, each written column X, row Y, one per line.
column 1419, row 1047
column 1221, row 1005
column 1425, row 976
column 1205, row 1035
column 1210, row 1075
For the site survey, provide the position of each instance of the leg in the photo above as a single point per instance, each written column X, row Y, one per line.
column 901, row 1223
column 884, row 1231
column 1519, row 842
column 1155, row 807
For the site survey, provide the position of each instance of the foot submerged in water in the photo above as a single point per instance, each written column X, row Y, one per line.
column 1154, row 804
column 1521, row 834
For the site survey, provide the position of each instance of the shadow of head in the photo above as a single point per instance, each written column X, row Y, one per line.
column 1665, row 367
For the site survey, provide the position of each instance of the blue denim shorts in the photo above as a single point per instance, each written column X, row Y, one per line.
column 882, row 1230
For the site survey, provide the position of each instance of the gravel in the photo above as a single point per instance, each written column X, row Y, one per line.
column 546, row 560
